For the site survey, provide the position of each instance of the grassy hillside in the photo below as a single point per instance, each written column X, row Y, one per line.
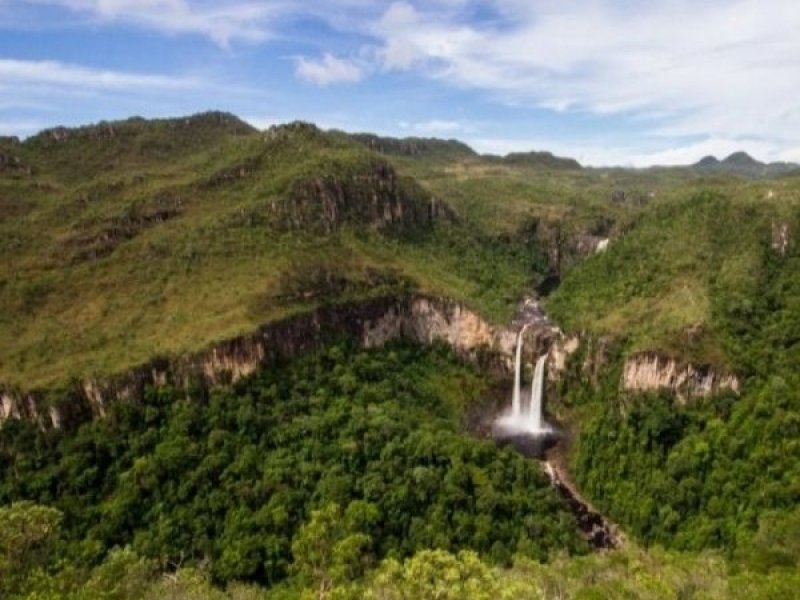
column 694, row 276
column 127, row 240
column 131, row 239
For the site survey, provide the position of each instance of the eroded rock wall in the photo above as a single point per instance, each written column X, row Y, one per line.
column 650, row 372
column 370, row 324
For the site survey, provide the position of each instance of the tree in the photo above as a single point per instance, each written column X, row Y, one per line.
column 26, row 533
column 434, row 575
column 326, row 552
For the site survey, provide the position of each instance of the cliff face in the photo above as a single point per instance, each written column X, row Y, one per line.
column 565, row 249
column 368, row 324
column 643, row 372
column 375, row 196
column 649, row 372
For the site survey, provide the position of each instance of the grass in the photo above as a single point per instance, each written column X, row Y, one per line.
column 660, row 285
column 97, row 279
column 161, row 239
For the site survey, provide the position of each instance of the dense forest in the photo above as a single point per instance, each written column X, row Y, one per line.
column 345, row 457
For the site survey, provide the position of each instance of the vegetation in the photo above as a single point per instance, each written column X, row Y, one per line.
column 632, row 573
column 697, row 476
column 705, row 280
column 698, row 279
column 125, row 241
column 350, row 473
column 318, row 468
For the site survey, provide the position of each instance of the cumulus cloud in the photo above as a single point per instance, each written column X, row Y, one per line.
column 328, row 69
column 713, row 68
column 715, row 72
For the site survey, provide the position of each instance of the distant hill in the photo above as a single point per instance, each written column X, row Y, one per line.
column 741, row 163
column 415, row 146
column 536, row 159
column 454, row 150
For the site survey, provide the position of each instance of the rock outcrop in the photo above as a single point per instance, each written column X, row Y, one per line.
column 414, row 146
column 780, row 238
column 566, row 248
column 651, row 372
column 641, row 372
column 374, row 196
column 10, row 163
column 369, row 324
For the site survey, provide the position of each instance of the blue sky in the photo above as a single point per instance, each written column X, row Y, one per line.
column 608, row 82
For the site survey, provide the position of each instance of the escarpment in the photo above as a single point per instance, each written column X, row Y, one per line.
column 649, row 371
column 642, row 371
column 368, row 324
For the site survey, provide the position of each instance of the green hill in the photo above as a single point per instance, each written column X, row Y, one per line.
column 140, row 238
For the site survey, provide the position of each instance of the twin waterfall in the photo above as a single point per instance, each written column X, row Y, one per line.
column 526, row 421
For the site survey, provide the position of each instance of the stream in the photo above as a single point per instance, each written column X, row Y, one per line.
column 540, row 441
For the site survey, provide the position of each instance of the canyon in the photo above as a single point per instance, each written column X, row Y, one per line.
column 368, row 324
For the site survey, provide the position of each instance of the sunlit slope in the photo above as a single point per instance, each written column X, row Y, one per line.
column 127, row 240
column 703, row 278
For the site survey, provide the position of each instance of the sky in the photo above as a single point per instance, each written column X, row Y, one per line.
column 609, row 82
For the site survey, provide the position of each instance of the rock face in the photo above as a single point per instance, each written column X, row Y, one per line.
column 651, row 372
column 375, row 196
column 780, row 238
column 12, row 164
column 369, row 324
column 565, row 249
column 642, row 372
column 559, row 353
column 428, row 147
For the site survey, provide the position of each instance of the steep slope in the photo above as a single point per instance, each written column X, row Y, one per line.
column 130, row 240
column 670, row 282
column 712, row 283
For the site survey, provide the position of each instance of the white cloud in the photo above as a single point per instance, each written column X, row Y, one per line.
column 630, row 155
column 19, row 128
column 714, row 68
column 329, row 69
column 54, row 73
column 584, row 153
column 722, row 71
column 221, row 21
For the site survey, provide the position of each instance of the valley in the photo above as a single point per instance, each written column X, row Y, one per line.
column 265, row 364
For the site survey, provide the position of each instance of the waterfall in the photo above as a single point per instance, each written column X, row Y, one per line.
column 516, row 408
column 537, row 389
column 529, row 420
